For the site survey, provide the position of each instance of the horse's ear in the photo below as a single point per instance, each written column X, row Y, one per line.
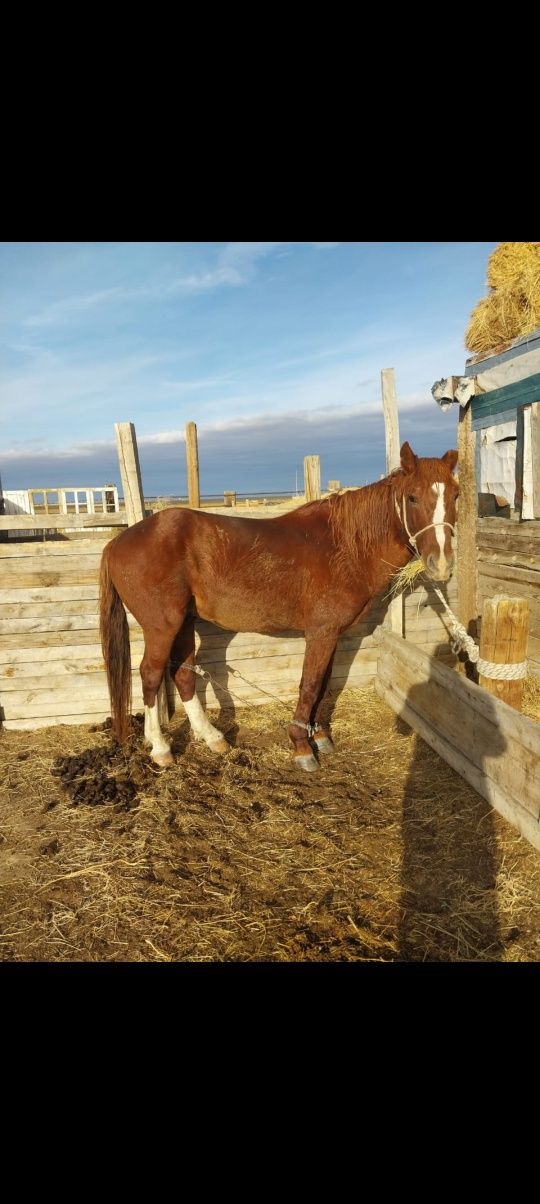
column 450, row 458
column 408, row 458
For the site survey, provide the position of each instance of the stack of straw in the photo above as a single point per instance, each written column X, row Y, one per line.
column 512, row 308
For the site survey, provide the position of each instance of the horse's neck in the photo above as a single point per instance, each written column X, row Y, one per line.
column 371, row 521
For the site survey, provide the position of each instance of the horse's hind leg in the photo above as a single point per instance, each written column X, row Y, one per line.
column 157, row 646
column 183, row 652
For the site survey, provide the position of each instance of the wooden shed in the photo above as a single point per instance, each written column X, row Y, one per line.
column 499, row 446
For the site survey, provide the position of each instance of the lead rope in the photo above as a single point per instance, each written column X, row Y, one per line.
column 461, row 640
column 310, row 728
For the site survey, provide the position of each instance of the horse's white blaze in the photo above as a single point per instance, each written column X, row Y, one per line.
column 153, row 732
column 200, row 723
column 438, row 520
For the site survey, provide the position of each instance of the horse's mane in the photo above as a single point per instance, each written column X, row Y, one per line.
column 363, row 518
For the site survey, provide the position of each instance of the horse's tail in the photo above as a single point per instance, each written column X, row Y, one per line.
column 114, row 631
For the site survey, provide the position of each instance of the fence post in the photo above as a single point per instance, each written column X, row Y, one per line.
column 312, row 478
column 393, row 460
column 530, row 460
column 130, row 471
column 467, row 572
column 192, row 462
column 504, row 634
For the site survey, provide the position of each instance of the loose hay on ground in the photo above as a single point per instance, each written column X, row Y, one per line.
column 384, row 855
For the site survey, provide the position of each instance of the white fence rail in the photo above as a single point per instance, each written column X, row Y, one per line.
column 55, row 502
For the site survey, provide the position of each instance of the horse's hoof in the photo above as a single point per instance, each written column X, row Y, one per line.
column 219, row 746
column 324, row 744
column 308, row 763
column 164, row 760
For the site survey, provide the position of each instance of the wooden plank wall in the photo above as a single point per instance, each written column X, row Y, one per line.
column 494, row 747
column 425, row 620
column 51, row 669
column 509, row 563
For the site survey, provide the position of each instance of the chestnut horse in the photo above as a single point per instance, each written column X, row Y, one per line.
column 316, row 569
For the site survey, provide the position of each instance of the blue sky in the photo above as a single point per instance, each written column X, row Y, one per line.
column 274, row 349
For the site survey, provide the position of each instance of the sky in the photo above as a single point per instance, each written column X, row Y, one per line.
column 274, row 349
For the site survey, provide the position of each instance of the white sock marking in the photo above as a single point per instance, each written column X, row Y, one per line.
column 153, row 732
column 200, row 723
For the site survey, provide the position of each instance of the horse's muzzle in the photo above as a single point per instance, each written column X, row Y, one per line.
column 439, row 568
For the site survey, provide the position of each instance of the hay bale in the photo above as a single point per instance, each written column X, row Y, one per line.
column 512, row 260
column 478, row 336
column 512, row 308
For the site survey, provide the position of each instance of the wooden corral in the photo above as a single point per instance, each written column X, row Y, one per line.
column 51, row 668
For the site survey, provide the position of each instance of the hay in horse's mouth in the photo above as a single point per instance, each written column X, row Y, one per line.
column 405, row 578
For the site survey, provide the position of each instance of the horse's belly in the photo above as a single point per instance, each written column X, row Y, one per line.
column 245, row 613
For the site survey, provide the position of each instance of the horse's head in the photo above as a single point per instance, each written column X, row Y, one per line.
column 426, row 504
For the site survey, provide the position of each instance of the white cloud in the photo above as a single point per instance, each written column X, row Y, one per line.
column 60, row 312
column 254, row 424
column 70, row 308
column 236, row 266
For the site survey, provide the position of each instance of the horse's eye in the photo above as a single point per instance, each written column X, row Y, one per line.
column 412, row 498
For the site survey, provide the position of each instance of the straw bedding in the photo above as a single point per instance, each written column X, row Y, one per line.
column 384, row 855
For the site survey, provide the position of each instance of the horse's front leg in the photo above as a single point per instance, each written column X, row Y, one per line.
column 322, row 736
column 320, row 648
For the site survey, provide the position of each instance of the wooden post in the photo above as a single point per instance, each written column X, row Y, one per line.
column 467, row 571
column 391, row 420
column 192, row 462
column 229, row 497
column 111, row 499
column 530, row 461
column 312, row 478
column 130, row 471
column 393, row 460
column 535, row 456
column 503, row 639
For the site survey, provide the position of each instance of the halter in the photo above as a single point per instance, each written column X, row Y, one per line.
column 413, row 538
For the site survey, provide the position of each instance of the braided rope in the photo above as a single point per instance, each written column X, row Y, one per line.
column 461, row 639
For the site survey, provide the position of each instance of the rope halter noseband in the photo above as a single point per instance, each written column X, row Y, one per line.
column 402, row 515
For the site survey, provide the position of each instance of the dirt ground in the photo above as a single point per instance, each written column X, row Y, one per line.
column 384, row 855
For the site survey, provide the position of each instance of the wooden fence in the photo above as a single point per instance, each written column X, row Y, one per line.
column 492, row 746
